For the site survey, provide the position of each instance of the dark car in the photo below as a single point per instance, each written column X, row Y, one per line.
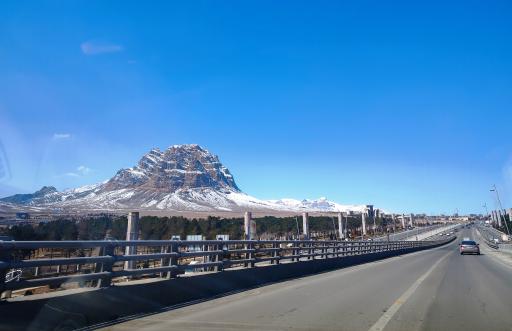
column 469, row 247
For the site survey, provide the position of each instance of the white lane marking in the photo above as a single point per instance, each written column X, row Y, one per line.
column 388, row 315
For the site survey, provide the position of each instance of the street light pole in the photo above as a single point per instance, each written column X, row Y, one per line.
column 499, row 204
column 486, row 210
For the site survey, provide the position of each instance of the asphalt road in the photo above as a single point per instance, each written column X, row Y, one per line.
column 430, row 290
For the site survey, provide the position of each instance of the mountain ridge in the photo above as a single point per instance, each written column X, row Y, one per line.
column 180, row 178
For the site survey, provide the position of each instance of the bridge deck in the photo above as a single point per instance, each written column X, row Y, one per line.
column 430, row 290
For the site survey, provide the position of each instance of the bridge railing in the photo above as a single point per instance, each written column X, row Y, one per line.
column 102, row 263
column 492, row 238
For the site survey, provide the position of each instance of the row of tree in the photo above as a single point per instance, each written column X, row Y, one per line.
column 157, row 228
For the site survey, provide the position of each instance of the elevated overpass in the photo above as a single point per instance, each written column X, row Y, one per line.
column 106, row 287
column 436, row 289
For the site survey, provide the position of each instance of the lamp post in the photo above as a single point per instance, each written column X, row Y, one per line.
column 495, row 190
column 486, row 210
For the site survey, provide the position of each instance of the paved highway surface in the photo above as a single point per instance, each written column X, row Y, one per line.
column 411, row 234
column 430, row 290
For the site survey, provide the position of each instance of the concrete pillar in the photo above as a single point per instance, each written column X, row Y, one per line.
column 403, row 221
column 363, row 219
column 510, row 214
column 499, row 218
column 371, row 215
column 132, row 233
column 393, row 219
column 305, row 225
column 411, row 219
column 340, row 226
column 247, row 225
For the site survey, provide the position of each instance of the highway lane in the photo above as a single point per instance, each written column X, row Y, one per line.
column 430, row 290
column 420, row 232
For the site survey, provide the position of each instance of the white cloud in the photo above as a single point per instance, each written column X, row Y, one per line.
column 92, row 47
column 83, row 170
column 79, row 172
column 59, row 136
column 71, row 174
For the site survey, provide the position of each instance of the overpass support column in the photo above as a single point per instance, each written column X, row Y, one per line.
column 247, row 225
column 411, row 219
column 340, row 226
column 499, row 217
column 363, row 220
column 403, row 221
column 132, row 231
column 305, row 225
column 371, row 217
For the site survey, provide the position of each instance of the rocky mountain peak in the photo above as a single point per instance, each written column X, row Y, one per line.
column 178, row 167
column 46, row 193
column 46, row 190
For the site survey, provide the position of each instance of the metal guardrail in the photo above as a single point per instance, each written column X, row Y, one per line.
column 488, row 236
column 492, row 238
column 106, row 260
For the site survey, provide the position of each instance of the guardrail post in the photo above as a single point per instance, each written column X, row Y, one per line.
column 5, row 256
column 173, row 260
column 206, row 258
column 246, row 246
column 218, row 257
column 277, row 253
column 251, row 254
column 107, row 266
column 163, row 249
column 163, row 261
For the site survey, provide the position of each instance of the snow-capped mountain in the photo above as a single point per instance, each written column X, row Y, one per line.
column 181, row 178
column 321, row 204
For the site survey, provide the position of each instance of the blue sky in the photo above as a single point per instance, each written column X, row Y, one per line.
column 403, row 105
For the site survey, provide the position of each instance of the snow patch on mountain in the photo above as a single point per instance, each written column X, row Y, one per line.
column 321, row 204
